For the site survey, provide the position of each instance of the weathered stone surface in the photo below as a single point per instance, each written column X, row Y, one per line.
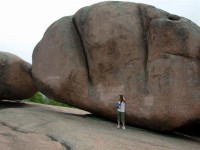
column 16, row 140
column 16, row 81
column 59, row 66
column 174, row 70
column 112, row 48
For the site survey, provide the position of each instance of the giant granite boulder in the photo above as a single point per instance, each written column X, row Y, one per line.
column 16, row 82
column 112, row 48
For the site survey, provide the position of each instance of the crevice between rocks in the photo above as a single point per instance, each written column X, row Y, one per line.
column 189, row 130
column 84, row 51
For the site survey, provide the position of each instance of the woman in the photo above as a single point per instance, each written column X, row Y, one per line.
column 121, row 112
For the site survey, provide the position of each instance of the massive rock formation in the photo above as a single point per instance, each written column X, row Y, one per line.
column 112, row 48
column 16, row 81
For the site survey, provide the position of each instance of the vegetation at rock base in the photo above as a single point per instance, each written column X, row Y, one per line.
column 42, row 99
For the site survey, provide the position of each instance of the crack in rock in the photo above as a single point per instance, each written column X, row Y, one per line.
column 52, row 138
column 65, row 146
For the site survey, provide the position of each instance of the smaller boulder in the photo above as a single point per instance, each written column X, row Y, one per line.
column 16, row 81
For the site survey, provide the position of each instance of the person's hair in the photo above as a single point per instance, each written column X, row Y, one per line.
column 121, row 98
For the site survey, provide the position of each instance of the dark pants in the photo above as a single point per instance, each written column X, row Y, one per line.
column 121, row 116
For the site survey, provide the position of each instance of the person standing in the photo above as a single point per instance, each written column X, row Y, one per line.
column 121, row 112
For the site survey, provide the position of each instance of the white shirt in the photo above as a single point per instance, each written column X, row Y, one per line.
column 121, row 107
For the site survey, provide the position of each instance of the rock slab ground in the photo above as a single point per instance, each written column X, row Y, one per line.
column 31, row 126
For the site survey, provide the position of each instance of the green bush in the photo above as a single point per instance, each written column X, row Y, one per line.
column 42, row 99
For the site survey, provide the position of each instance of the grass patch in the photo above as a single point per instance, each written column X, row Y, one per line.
column 42, row 99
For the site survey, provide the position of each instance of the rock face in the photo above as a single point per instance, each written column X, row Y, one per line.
column 112, row 48
column 16, row 81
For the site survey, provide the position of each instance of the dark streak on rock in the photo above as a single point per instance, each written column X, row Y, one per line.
column 180, row 55
column 142, row 14
column 13, row 128
column 65, row 146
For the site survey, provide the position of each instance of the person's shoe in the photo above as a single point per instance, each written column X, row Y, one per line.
column 118, row 126
column 124, row 127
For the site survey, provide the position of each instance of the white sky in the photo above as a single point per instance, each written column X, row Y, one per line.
column 23, row 22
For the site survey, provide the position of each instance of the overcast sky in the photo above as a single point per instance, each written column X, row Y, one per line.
column 23, row 22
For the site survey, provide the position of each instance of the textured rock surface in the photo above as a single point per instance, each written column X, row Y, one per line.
column 16, row 81
column 59, row 63
column 174, row 70
column 112, row 48
column 16, row 140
